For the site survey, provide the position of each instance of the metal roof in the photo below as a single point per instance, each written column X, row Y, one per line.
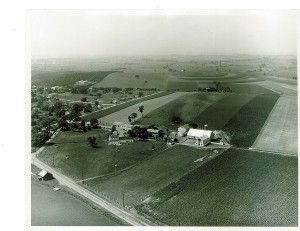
column 199, row 132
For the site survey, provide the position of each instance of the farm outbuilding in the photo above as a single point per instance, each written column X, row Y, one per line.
column 182, row 131
column 201, row 137
column 44, row 175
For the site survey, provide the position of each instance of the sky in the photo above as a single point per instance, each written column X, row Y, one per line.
column 90, row 34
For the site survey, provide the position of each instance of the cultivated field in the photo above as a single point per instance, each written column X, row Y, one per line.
column 214, row 109
column 245, row 125
column 149, row 105
column 280, row 131
column 151, row 175
column 237, row 188
column 280, row 88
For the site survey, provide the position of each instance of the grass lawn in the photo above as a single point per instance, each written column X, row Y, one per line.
column 151, row 175
column 105, row 112
column 246, row 124
column 237, row 188
column 83, row 159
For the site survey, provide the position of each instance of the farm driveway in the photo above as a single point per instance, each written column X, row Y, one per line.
column 149, row 105
column 280, row 130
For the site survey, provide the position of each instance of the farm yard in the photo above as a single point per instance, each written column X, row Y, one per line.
column 237, row 188
column 280, row 133
column 151, row 175
column 72, row 154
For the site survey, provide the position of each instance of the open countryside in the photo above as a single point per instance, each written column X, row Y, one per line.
column 164, row 120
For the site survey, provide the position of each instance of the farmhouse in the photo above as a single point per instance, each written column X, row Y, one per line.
column 201, row 137
column 115, row 139
column 152, row 132
column 182, row 131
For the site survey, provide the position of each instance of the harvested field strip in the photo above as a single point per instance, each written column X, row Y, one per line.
column 249, row 88
column 153, row 174
column 237, row 188
column 187, row 107
column 246, row 124
column 280, row 130
column 280, row 88
column 101, row 113
column 149, row 106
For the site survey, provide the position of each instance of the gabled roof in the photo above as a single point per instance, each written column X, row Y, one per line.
column 199, row 132
column 43, row 173
column 186, row 127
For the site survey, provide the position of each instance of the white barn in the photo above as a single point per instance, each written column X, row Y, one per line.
column 182, row 131
column 201, row 137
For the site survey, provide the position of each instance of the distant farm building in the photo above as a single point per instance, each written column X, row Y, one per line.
column 182, row 131
column 201, row 137
column 83, row 82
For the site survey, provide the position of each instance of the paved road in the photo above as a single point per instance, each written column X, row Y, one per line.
column 130, row 218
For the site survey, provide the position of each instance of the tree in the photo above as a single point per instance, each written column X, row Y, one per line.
column 94, row 123
column 140, row 94
column 193, row 125
column 88, row 108
column 114, row 128
column 129, row 118
column 133, row 115
column 142, row 133
column 97, row 103
column 161, row 133
column 176, row 120
column 63, row 124
column 92, row 141
column 141, row 109
column 99, row 94
column 84, row 99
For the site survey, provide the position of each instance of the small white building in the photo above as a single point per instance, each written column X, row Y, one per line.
column 182, row 131
column 201, row 137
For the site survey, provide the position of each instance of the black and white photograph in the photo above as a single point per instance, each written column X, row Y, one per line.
column 162, row 118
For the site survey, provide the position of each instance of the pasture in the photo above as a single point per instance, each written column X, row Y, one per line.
column 280, row 132
column 74, row 156
column 151, row 175
column 245, row 125
column 237, row 188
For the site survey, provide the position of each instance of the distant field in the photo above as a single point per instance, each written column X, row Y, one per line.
column 245, row 125
column 146, row 178
column 129, row 79
column 214, row 109
column 64, row 78
column 281, row 88
column 105, row 112
column 82, row 158
column 237, row 188
column 280, row 132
